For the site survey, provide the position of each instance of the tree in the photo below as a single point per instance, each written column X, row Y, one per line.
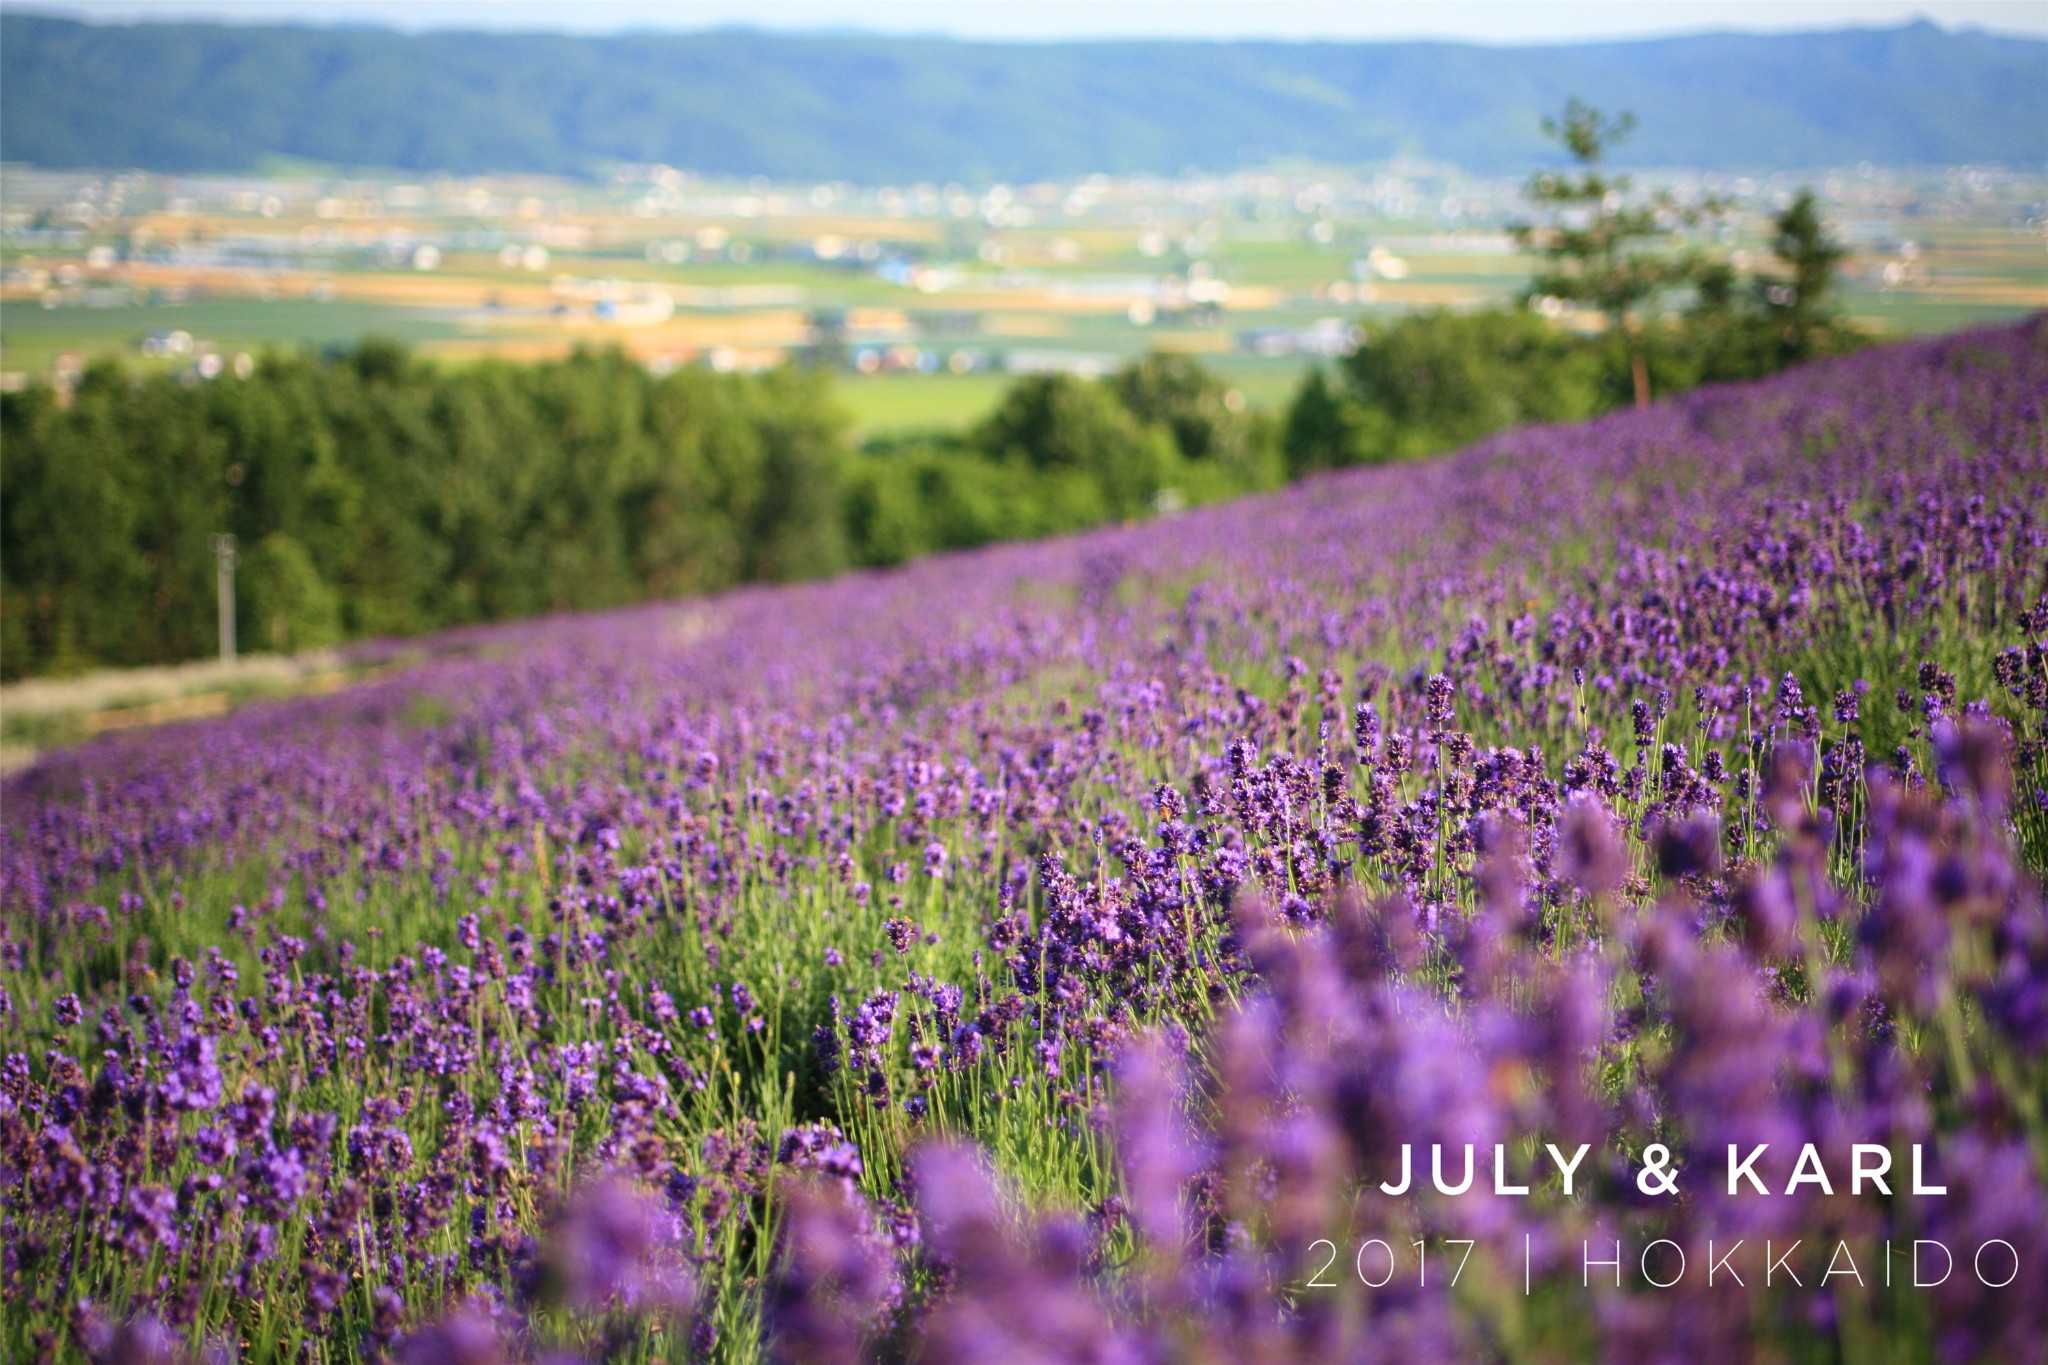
column 286, row 604
column 1598, row 247
column 1321, row 428
column 1205, row 415
column 1782, row 317
column 1431, row 381
column 1438, row 380
column 797, row 530
column 1225, row 447
column 1802, row 304
column 375, row 494
column 1056, row 423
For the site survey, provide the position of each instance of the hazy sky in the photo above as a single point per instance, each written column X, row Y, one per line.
column 1499, row 21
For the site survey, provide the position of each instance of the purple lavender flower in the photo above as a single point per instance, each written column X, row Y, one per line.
column 615, row 1243
column 465, row 1337
column 194, row 1082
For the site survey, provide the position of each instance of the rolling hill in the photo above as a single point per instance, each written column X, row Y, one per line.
column 193, row 97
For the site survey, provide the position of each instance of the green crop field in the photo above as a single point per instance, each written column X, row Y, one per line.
column 32, row 337
column 898, row 404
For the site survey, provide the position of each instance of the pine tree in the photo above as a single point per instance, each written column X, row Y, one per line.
column 1598, row 246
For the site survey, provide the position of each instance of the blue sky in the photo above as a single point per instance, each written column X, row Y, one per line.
column 1496, row 21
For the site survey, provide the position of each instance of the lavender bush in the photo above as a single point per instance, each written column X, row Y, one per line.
column 1048, row 953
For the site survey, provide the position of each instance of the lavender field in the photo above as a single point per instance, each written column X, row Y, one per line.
column 1047, row 953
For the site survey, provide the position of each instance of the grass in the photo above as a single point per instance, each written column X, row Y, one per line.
column 46, row 713
column 904, row 403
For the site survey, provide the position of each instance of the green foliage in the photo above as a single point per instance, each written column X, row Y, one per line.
column 889, row 110
column 1805, row 302
column 1322, row 428
column 1433, row 381
column 285, row 601
column 1205, row 416
column 1061, row 424
column 907, row 502
column 1597, row 245
column 1061, row 453
column 794, row 522
column 1796, row 311
column 377, row 495
column 1787, row 314
column 1439, row 380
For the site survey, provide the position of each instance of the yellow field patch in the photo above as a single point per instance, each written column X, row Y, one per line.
column 1191, row 343
column 524, row 350
column 1427, row 293
column 418, row 290
column 1024, row 325
column 1986, row 291
column 157, row 712
column 1467, row 263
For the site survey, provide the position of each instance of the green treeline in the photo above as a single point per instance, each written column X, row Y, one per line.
column 1431, row 382
column 1062, row 453
column 375, row 494
column 379, row 495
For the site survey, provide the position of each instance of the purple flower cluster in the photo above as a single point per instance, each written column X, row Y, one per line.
column 1240, row 1179
column 1676, row 781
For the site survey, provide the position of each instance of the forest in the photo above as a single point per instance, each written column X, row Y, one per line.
column 373, row 494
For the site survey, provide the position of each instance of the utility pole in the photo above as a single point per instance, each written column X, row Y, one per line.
column 224, row 580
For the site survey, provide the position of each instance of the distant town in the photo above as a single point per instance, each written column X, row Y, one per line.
column 922, row 294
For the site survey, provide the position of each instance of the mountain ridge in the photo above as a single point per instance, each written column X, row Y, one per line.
column 190, row 97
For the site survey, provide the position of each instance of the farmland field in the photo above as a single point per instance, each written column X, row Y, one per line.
column 897, row 404
column 1046, row 952
column 888, row 286
column 35, row 336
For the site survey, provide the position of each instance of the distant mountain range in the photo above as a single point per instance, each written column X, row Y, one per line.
column 213, row 97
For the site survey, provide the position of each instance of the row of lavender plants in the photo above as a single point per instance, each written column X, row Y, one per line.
column 1046, row 954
